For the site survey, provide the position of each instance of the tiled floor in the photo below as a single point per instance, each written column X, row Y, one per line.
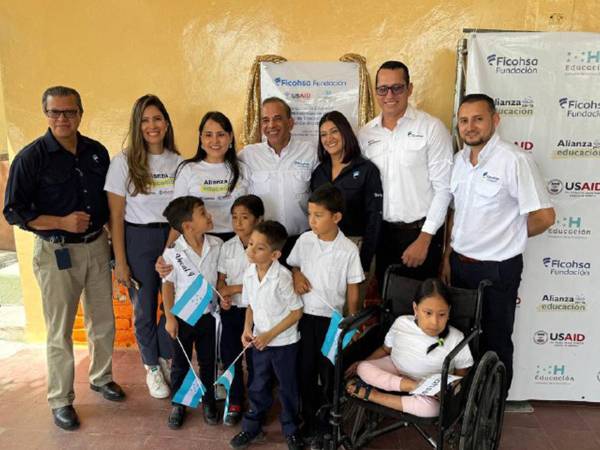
column 140, row 422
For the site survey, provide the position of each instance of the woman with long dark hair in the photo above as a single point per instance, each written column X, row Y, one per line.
column 214, row 172
column 139, row 184
column 358, row 178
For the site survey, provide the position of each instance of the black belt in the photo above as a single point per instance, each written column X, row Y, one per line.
column 86, row 239
column 148, row 225
column 407, row 225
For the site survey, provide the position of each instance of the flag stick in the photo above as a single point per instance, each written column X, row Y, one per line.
column 188, row 360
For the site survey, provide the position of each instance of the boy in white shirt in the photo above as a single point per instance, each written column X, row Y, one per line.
column 271, row 328
column 327, row 271
column 193, row 253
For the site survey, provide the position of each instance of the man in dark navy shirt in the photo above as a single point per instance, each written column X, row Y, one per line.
column 56, row 190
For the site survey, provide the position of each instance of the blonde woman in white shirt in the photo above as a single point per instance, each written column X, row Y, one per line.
column 140, row 184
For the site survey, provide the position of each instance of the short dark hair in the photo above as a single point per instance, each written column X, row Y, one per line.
column 329, row 197
column 351, row 147
column 274, row 232
column 252, row 203
column 61, row 91
column 181, row 210
column 394, row 65
column 281, row 101
column 473, row 98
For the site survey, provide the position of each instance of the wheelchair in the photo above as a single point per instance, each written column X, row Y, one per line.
column 471, row 410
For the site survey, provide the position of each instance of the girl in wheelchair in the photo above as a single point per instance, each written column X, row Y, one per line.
column 414, row 349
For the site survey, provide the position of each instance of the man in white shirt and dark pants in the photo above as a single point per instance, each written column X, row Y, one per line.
column 413, row 152
column 499, row 201
column 280, row 170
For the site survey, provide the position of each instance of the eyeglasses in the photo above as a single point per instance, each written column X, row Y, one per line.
column 396, row 89
column 56, row 113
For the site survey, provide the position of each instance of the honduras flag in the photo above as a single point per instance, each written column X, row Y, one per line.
column 191, row 391
column 330, row 344
column 194, row 301
column 226, row 379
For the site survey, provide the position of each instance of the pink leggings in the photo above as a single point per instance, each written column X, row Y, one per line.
column 382, row 374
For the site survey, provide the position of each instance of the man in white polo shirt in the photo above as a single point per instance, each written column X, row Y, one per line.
column 413, row 152
column 499, row 201
column 280, row 169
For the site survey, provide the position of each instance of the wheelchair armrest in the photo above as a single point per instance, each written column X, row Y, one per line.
column 446, row 365
column 356, row 320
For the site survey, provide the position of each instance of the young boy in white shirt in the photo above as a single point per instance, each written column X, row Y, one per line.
column 271, row 328
column 327, row 272
column 193, row 253
column 246, row 212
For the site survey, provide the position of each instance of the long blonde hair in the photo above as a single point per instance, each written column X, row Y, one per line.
column 136, row 149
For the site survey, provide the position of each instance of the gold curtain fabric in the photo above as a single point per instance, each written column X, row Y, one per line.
column 366, row 108
column 251, row 125
column 251, row 122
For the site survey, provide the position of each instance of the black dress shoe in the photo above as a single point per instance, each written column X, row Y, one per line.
column 232, row 418
column 110, row 391
column 210, row 414
column 176, row 417
column 65, row 417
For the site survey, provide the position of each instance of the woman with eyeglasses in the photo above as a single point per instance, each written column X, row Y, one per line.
column 140, row 183
column 358, row 178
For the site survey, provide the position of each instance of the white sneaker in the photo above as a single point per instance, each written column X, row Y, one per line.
column 156, row 382
column 165, row 366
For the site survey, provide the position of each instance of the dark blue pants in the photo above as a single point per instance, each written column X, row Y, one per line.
column 143, row 246
column 500, row 300
column 232, row 321
column 281, row 362
column 201, row 337
column 312, row 368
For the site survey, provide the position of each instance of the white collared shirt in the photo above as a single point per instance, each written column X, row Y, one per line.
column 233, row 263
column 282, row 181
column 272, row 299
column 415, row 161
column 329, row 267
column 205, row 264
column 144, row 208
column 210, row 182
column 492, row 200
column 409, row 346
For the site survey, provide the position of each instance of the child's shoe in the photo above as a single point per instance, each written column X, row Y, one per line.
column 176, row 417
column 210, row 414
column 233, row 417
column 156, row 382
column 244, row 439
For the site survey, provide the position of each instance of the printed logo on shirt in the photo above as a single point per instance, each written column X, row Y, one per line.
column 355, row 174
column 373, row 141
column 214, row 186
column 491, row 178
column 95, row 158
column 414, row 134
column 162, row 180
column 300, row 164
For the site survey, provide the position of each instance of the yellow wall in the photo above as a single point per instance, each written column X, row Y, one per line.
column 196, row 55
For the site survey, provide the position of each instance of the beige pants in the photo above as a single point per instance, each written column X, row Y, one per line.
column 89, row 274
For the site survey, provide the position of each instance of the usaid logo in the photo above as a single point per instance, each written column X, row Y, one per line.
column 554, row 186
column 525, row 145
column 552, row 374
column 574, row 189
column 569, row 227
column 558, row 339
column 577, row 108
column 582, row 62
column 560, row 267
column 507, row 65
column 298, row 95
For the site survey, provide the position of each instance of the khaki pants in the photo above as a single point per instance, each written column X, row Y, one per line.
column 89, row 274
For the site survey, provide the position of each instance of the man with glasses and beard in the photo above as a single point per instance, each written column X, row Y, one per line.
column 413, row 152
column 56, row 190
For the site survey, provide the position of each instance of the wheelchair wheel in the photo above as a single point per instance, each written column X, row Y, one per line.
column 484, row 411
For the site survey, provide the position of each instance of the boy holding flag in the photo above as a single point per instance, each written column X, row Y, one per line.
column 188, row 292
column 327, row 271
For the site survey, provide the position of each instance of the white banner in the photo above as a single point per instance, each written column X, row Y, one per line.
column 546, row 87
column 312, row 89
